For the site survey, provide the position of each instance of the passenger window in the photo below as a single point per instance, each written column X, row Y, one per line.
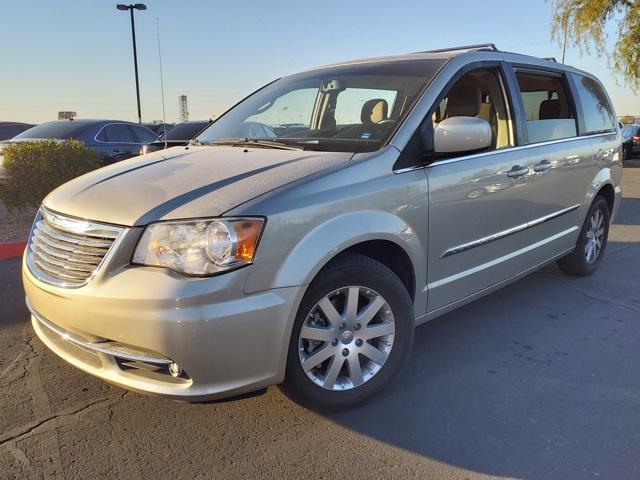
column 597, row 111
column 547, row 106
column 479, row 94
column 118, row 133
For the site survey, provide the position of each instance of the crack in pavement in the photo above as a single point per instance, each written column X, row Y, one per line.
column 54, row 421
column 11, row 365
column 42, row 408
column 592, row 296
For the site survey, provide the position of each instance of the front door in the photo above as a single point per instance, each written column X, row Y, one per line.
column 477, row 203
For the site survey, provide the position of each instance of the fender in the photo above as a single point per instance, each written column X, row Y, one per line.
column 337, row 234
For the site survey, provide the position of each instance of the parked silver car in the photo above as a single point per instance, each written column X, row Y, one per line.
column 405, row 187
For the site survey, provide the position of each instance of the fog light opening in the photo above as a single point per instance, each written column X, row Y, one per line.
column 175, row 370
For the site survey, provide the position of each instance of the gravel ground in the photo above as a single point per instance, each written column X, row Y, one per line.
column 14, row 226
column 537, row 381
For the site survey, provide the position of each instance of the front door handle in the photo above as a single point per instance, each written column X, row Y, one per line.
column 517, row 171
column 543, row 166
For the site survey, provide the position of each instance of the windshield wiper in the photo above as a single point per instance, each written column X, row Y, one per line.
column 254, row 142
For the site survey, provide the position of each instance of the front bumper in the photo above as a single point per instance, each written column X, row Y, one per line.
column 128, row 326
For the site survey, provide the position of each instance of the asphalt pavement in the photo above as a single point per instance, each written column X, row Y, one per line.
column 538, row 380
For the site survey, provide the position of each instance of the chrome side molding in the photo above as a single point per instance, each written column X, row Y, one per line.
column 505, row 233
column 499, row 260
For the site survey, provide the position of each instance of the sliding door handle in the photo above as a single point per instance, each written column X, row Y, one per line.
column 517, row 171
column 543, row 166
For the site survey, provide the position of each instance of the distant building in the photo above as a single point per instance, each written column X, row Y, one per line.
column 183, row 107
column 67, row 115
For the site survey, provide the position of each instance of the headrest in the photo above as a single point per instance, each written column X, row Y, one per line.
column 549, row 109
column 464, row 101
column 374, row 111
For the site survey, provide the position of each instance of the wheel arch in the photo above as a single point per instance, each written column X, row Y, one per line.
column 391, row 255
column 383, row 236
column 608, row 192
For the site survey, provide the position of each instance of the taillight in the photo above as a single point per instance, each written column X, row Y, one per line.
column 636, row 138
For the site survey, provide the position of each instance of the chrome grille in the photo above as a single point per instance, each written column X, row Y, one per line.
column 65, row 251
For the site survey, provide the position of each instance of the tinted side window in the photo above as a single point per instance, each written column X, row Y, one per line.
column 547, row 106
column 117, row 133
column 598, row 113
column 144, row 135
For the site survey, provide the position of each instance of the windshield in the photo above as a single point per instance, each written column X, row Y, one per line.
column 59, row 130
column 351, row 108
column 184, row 131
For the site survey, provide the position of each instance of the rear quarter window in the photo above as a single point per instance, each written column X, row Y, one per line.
column 597, row 111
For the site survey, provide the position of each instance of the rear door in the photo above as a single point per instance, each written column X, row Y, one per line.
column 563, row 163
column 117, row 142
column 478, row 203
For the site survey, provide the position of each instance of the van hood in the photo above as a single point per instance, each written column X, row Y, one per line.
column 198, row 181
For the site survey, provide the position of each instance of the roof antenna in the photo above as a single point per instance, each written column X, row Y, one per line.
column 164, row 115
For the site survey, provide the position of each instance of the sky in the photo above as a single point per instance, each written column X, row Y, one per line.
column 76, row 55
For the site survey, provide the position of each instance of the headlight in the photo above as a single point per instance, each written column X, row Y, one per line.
column 199, row 247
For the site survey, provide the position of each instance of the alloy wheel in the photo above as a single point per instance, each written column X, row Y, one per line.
column 346, row 338
column 594, row 237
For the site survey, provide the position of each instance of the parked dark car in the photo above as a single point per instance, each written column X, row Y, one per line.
column 11, row 129
column 630, row 141
column 115, row 140
column 179, row 135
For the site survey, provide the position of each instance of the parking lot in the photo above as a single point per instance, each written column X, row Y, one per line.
column 538, row 380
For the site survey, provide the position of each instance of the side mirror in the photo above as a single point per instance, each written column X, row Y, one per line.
column 461, row 134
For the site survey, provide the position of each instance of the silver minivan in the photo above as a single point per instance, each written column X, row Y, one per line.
column 302, row 236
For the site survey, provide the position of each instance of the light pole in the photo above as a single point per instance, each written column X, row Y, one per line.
column 131, row 8
column 565, row 19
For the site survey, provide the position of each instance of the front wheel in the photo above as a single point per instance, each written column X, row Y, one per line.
column 352, row 335
column 586, row 258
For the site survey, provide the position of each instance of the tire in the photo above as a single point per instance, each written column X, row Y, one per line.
column 578, row 262
column 334, row 383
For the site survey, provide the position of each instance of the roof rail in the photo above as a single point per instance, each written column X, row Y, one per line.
column 479, row 46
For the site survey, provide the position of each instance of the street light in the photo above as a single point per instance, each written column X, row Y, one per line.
column 131, row 8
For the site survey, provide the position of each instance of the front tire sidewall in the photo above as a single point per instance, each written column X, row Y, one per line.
column 299, row 387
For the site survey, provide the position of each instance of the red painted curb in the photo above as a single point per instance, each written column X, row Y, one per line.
column 11, row 250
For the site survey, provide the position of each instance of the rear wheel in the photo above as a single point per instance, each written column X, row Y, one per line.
column 352, row 334
column 586, row 258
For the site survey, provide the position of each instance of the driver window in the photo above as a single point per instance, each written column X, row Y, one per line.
column 478, row 94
